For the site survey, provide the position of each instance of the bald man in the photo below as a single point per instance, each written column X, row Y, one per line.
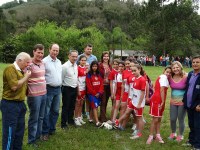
column 12, row 104
column 53, row 76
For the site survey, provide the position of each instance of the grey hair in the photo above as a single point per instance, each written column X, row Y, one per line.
column 71, row 51
column 22, row 56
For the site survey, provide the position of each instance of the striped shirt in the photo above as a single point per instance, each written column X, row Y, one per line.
column 36, row 82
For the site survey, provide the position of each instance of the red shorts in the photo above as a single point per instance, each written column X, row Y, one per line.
column 138, row 111
column 82, row 97
column 117, row 98
column 125, row 97
column 128, row 100
column 155, row 111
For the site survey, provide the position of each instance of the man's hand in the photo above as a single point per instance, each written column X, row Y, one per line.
column 27, row 74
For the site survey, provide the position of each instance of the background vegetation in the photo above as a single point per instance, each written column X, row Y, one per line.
column 153, row 26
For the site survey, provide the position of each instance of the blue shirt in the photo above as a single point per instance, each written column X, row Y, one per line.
column 90, row 59
column 191, row 89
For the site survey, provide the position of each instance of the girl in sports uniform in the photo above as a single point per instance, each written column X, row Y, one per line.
column 95, row 89
column 157, row 104
column 118, row 90
column 81, row 90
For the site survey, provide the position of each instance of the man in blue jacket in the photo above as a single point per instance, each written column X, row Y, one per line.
column 192, row 103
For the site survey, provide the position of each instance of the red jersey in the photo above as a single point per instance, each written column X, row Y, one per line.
column 139, row 85
column 161, row 81
column 125, row 76
column 94, row 84
column 112, row 75
column 81, row 77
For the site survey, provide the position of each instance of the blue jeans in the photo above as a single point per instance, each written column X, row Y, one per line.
column 51, row 110
column 36, row 107
column 13, row 124
column 194, row 125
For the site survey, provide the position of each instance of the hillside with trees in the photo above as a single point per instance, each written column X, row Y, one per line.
column 153, row 26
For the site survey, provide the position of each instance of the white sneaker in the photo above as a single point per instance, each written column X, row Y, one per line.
column 88, row 117
column 81, row 121
column 134, row 127
column 77, row 122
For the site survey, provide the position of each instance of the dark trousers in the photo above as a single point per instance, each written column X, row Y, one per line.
column 104, row 103
column 13, row 121
column 69, row 95
column 194, row 125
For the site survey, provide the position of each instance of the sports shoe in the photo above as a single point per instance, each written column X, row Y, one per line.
column 116, row 123
column 76, row 120
column 196, row 149
column 87, row 115
column 172, row 136
column 135, row 132
column 138, row 135
column 44, row 138
column 179, row 138
column 187, row 144
column 159, row 139
column 121, row 128
column 98, row 124
column 81, row 121
column 90, row 121
column 134, row 127
column 150, row 139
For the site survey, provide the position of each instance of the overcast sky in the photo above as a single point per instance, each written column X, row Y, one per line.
column 5, row 1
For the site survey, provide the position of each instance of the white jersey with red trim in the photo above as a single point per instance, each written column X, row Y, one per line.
column 81, row 77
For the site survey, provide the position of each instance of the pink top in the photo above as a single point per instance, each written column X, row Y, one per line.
column 178, row 90
column 36, row 82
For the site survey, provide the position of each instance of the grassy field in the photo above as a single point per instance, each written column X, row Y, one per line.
column 91, row 138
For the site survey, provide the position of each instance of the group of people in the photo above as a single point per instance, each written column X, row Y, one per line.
column 82, row 80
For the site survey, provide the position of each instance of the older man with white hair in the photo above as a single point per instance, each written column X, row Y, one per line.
column 12, row 105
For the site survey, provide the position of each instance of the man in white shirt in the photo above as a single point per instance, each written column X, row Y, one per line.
column 69, row 90
column 53, row 76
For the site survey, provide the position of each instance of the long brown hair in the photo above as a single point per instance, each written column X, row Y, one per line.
column 104, row 53
column 140, row 68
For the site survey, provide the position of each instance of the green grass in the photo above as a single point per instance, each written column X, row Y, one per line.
column 91, row 138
